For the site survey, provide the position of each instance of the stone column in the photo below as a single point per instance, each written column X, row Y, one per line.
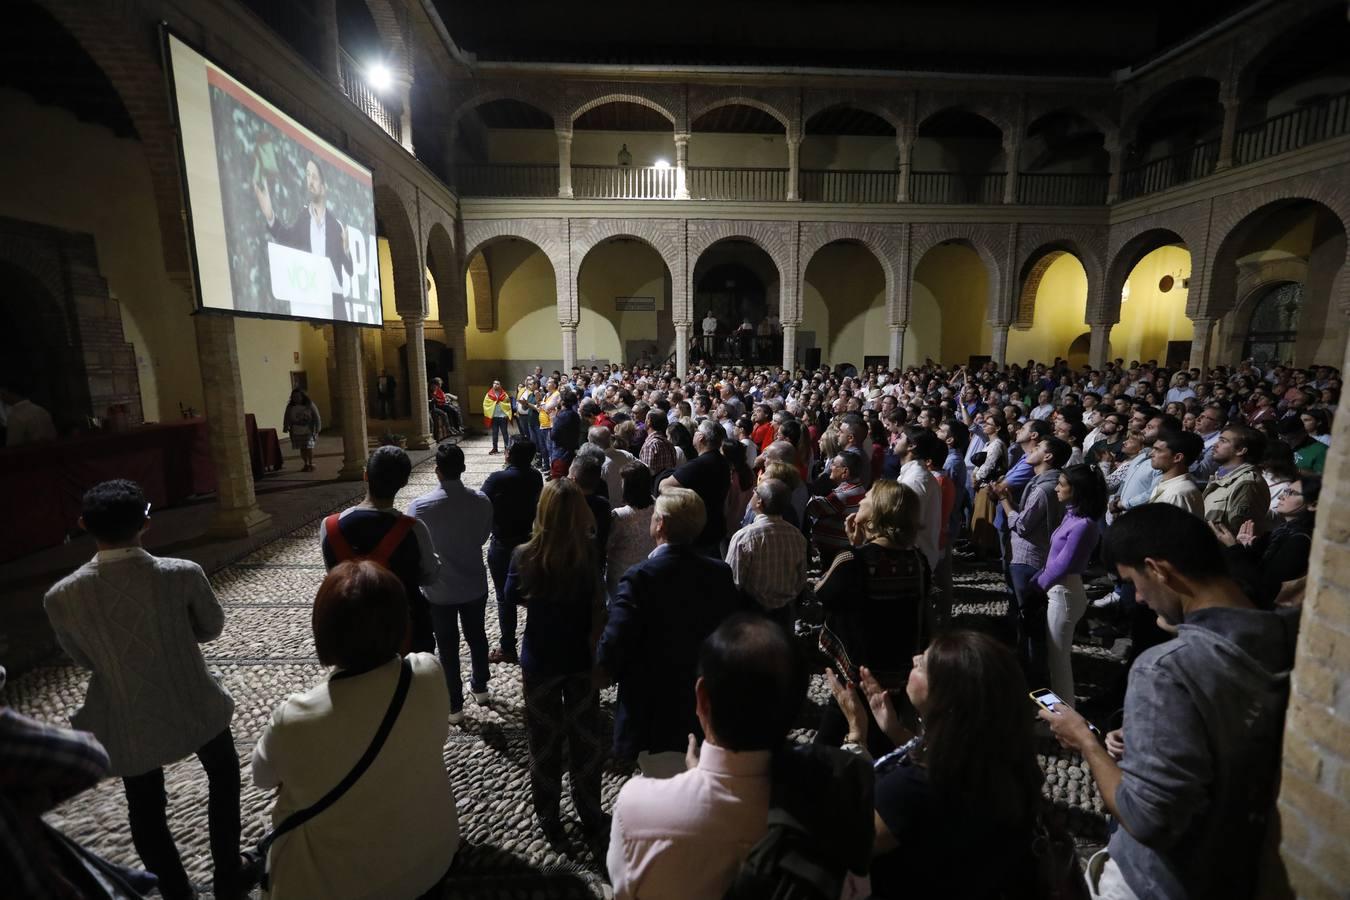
column 1314, row 802
column 1099, row 344
column 565, row 163
column 682, row 331
column 325, row 11
column 1228, row 136
column 897, row 356
column 682, row 167
column 349, row 399
column 1011, row 163
column 904, row 143
column 794, row 173
column 420, row 439
column 998, row 352
column 790, row 346
column 1113, row 180
column 237, row 512
column 1200, row 341
column 405, row 117
column 569, row 346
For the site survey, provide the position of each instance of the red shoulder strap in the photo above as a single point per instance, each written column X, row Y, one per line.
column 337, row 541
column 392, row 538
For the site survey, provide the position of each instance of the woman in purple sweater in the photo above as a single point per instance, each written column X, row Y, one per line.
column 1082, row 490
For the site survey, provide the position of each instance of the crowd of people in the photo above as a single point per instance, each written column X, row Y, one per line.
column 705, row 543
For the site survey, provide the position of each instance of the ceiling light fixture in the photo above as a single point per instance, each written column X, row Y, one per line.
column 662, row 164
column 379, row 77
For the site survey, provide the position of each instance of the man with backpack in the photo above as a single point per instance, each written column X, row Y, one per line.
column 375, row 530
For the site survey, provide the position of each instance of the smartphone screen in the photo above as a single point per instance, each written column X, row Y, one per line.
column 1047, row 698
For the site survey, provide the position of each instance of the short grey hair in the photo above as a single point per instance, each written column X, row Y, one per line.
column 774, row 496
column 599, row 436
column 713, row 433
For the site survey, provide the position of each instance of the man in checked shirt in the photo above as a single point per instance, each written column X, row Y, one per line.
column 768, row 556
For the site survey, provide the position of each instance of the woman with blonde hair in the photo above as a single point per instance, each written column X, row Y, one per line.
column 556, row 576
column 874, row 594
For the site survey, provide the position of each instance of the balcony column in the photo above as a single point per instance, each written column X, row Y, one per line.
column 681, row 167
column 405, row 117
column 237, row 512
column 682, row 332
column 1201, row 339
column 349, row 399
column 569, row 347
column 325, row 11
column 1117, row 163
column 420, row 439
column 790, row 346
column 565, row 163
column 1229, row 135
column 897, row 356
column 793, row 144
column 998, row 351
column 904, row 144
column 1099, row 344
column 1011, row 158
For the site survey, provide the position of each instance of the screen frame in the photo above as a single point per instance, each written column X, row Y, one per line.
column 167, row 31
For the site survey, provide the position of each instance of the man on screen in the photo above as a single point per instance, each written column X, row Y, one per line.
column 315, row 230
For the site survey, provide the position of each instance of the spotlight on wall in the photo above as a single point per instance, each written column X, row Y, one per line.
column 662, row 164
column 379, row 77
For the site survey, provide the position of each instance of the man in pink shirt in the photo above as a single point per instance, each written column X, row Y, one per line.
column 686, row 836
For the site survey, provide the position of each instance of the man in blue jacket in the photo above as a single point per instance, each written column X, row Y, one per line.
column 664, row 608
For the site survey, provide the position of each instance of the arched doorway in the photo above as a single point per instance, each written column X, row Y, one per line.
column 1052, row 307
column 844, row 302
column 38, row 352
column 949, row 306
column 1153, row 323
column 624, row 294
column 512, row 294
column 736, row 282
column 1273, row 332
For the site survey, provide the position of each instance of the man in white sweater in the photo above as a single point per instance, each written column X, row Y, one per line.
column 1173, row 454
column 136, row 621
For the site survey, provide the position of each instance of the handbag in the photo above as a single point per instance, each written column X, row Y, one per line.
column 296, row 819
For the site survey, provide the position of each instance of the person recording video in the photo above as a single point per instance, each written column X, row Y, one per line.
column 315, row 230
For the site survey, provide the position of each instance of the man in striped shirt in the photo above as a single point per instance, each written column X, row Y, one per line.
column 657, row 453
column 831, row 510
column 768, row 556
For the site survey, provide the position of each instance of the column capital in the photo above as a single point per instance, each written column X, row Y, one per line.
column 568, row 326
column 681, row 137
column 564, row 134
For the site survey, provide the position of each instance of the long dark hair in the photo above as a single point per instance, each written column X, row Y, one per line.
column 304, row 398
column 978, row 741
column 1089, row 490
column 734, row 451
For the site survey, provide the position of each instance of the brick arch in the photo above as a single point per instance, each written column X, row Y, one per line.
column 878, row 240
column 987, row 111
column 405, row 250
column 1252, row 285
column 488, row 95
column 666, row 237
column 988, row 241
column 1096, row 117
column 1202, row 70
column 441, row 260
column 777, row 239
column 628, row 96
column 389, row 24
column 549, row 237
column 740, row 100
column 131, row 63
column 1035, row 244
column 874, row 106
column 1236, row 215
column 1254, row 49
column 1130, row 241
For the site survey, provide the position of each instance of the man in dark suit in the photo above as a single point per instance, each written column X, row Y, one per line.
column 665, row 606
column 316, row 230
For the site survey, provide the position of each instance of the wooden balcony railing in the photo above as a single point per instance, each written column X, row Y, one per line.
column 363, row 95
column 1170, row 171
column 849, row 185
column 956, row 187
column 720, row 183
column 1047, row 189
column 1296, row 128
column 624, row 182
column 523, row 180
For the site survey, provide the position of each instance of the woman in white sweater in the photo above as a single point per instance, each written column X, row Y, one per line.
column 394, row 833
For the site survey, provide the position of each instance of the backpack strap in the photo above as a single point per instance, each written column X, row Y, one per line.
column 337, row 541
column 384, row 550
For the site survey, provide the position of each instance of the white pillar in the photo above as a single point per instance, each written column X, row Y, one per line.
column 569, row 347
column 790, row 346
column 793, row 191
column 1229, row 134
column 350, row 400
column 681, row 167
column 565, row 164
column 405, row 118
column 1010, row 157
column 1200, row 341
column 1099, row 344
column 999, row 351
column 420, row 439
column 682, row 332
column 904, row 143
column 897, row 356
column 1113, row 180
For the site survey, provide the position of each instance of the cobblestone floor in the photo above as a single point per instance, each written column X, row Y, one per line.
column 266, row 652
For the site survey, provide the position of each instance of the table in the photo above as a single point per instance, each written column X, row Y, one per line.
column 42, row 484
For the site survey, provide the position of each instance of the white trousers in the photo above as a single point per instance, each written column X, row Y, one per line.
column 1104, row 879
column 1068, row 602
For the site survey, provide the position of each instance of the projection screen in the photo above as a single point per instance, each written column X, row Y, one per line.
column 282, row 222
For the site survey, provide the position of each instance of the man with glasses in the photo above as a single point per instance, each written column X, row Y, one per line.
column 1209, row 425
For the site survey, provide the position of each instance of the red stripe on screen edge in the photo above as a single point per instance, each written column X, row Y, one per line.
column 219, row 79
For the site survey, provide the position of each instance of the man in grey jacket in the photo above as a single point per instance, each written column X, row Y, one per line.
column 136, row 620
column 1204, row 721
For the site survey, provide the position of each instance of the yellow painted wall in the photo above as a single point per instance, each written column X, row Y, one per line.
column 267, row 349
column 527, row 313
column 845, row 294
column 69, row 174
column 1151, row 318
column 388, row 298
column 1060, row 317
column 952, row 278
column 618, row 269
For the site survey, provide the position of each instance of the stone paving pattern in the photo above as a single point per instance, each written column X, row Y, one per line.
column 267, row 652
